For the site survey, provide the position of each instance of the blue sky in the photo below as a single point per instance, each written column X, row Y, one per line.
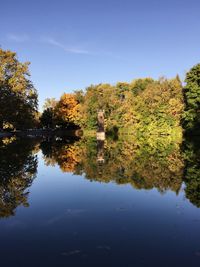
column 74, row 43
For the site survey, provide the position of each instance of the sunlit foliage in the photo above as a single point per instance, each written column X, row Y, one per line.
column 144, row 105
column 18, row 97
column 67, row 110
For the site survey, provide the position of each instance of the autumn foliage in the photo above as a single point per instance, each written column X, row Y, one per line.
column 142, row 106
column 18, row 97
column 66, row 110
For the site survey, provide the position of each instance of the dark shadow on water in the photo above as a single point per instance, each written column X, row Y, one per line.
column 18, row 169
column 192, row 169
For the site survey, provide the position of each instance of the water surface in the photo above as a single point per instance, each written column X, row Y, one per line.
column 115, row 203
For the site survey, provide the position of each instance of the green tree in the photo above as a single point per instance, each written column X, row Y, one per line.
column 47, row 118
column 18, row 97
column 139, row 85
column 160, row 107
column 192, row 98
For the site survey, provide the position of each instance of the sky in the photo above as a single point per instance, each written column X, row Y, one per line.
column 72, row 44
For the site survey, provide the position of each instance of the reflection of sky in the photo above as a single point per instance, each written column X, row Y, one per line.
column 71, row 217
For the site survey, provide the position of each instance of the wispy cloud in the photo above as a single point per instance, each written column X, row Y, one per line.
column 66, row 48
column 73, row 49
column 19, row 38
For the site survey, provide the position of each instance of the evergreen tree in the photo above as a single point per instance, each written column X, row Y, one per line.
column 192, row 99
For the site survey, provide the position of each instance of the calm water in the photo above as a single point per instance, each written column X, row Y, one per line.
column 117, row 203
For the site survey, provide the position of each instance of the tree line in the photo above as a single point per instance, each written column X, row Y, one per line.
column 162, row 106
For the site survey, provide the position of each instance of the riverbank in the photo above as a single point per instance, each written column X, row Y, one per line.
column 42, row 132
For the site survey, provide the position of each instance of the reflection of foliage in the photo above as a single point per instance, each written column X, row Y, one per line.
column 192, row 171
column 17, row 171
column 143, row 164
column 8, row 140
column 65, row 154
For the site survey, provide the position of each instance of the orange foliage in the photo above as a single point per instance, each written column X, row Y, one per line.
column 68, row 158
column 67, row 109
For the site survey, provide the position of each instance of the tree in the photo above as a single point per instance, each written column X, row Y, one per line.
column 47, row 118
column 50, row 103
column 67, row 110
column 159, row 107
column 144, row 105
column 192, row 98
column 139, row 85
column 100, row 97
column 18, row 97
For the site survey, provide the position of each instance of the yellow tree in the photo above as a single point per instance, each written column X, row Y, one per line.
column 67, row 110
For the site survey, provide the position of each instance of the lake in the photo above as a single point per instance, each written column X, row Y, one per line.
column 71, row 202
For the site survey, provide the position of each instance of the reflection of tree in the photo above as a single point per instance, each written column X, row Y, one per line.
column 17, row 171
column 158, row 164
column 140, row 162
column 143, row 165
column 65, row 153
column 192, row 170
